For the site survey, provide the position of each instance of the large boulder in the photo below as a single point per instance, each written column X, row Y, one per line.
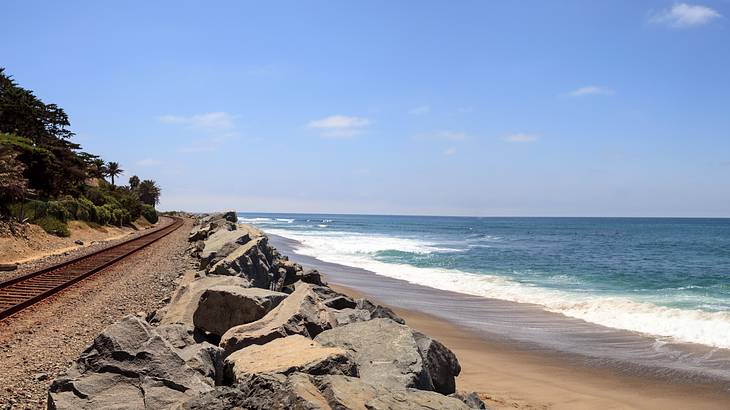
column 221, row 244
column 301, row 313
column 441, row 363
column 198, row 354
column 379, row 311
column 223, row 307
column 346, row 316
column 386, row 353
column 289, row 355
column 230, row 216
column 342, row 392
column 204, row 358
column 185, row 301
column 253, row 260
column 264, row 392
column 129, row 365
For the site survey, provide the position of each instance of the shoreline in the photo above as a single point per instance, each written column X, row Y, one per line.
column 511, row 374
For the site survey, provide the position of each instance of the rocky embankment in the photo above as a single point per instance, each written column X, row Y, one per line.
column 253, row 330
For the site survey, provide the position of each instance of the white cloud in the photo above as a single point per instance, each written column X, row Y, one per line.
column 683, row 15
column 339, row 126
column 209, row 120
column 420, row 110
column 450, row 151
column 591, row 90
column 522, row 138
column 148, row 162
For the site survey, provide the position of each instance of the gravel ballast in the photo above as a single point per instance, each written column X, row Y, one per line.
column 38, row 344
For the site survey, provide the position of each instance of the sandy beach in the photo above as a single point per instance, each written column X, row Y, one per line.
column 508, row 378
column 513, row 374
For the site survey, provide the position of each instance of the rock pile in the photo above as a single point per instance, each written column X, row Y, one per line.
column 254, row 330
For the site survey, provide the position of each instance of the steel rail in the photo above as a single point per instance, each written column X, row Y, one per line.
column 26, row 290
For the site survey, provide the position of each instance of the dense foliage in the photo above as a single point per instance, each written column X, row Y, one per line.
column 48, row 179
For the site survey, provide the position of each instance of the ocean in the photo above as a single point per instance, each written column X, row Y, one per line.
column 664, row 280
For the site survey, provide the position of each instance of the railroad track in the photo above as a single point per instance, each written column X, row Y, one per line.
column 20, row 292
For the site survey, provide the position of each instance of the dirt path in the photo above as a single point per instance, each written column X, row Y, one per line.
column 39, row 343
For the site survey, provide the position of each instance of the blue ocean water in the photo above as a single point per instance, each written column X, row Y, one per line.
column 668, row 278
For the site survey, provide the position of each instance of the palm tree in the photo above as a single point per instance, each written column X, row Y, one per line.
column 149, row 192
column 113, row 170
column 98, row 168
column 133, row 182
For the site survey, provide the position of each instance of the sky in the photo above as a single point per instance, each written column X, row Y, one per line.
column 485, row 108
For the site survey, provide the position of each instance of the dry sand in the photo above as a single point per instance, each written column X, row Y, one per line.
column 38, row 244
column 508, row 378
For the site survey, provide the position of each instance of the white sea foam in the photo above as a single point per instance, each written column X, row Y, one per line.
column 254, row 220
column 679, row 325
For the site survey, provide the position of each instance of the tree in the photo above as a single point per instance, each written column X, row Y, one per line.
column 149, row 192
column 134, row 182
column 13, row 184
column 113, row 170
column 38, row 133
column 97, row 168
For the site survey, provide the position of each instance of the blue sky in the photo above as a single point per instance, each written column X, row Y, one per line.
column 560, row 108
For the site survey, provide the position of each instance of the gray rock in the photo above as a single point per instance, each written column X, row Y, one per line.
column 205, row 358
column 286, row 356
column 129, row 365
column 199, row 233
column 179, row 336
column 79, row 242
column 386, row 353
column 472, row 400
column 340, row 302
column 223, row 307
column 221, row 244
column 230, row 216
column 253, row 260
column 185, row 301
column 8, row 266
column 263, row 392
column 342, row 392
column 440, row 362
column 346, row 316
column 378, row 311
column 301, row 313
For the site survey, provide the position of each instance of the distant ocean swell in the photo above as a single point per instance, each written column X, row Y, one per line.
column 384, row 254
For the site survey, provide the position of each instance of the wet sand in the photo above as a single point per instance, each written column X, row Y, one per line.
column 516, row 373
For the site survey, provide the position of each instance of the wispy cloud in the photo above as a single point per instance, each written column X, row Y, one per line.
column 209, row 120
column 522, row 138
column 420, row 110
column 339, row 126
column 683, row 15
column 148, row 162
column 591, row 90
column 450, row 151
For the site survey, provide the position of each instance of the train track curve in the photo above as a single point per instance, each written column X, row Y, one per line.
column 26, row 290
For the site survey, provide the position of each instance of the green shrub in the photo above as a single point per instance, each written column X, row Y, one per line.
column 90, row 209
column 53, row 226
column 71, row 206
column 57, row 210
column 118, row 217
column 103, row 215
column 149, row 213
